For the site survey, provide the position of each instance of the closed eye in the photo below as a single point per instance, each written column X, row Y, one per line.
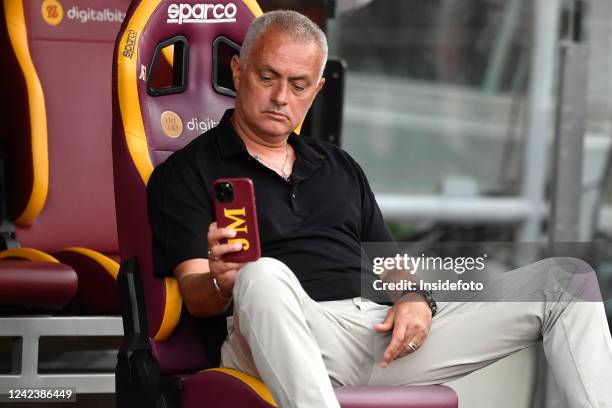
column 299, row 88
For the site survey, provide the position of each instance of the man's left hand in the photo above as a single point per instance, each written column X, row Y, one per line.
column 410, row 319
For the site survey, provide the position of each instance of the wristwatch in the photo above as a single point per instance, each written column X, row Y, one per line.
column 428, row 296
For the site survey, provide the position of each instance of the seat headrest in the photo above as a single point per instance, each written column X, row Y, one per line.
column 56, row 65
column 36, row 31
column 175, row 82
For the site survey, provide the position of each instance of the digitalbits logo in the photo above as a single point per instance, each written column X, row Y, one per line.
column 172, row 124
column 89, row 14
column 201, row 13
column 201, row 126
column 52, row 12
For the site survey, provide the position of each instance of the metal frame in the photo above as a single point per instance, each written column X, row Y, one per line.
column 29, row 329
column 501, row 210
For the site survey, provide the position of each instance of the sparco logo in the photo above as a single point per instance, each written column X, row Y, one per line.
column 202, row 13
column 130, row 42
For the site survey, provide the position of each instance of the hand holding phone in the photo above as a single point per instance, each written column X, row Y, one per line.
column 223, row 273
column 235, row 208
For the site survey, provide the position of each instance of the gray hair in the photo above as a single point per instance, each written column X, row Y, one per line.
column 297, row 25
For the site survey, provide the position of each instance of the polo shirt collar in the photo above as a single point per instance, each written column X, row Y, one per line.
column 231, row 145
column 229, row 142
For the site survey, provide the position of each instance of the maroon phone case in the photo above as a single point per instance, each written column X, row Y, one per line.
column 241, row 215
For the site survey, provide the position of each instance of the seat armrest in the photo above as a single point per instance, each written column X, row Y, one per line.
column 36, row 285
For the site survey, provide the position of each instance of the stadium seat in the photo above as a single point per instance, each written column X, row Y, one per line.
column 171, row 83
column 60, row 239
column 46, row 285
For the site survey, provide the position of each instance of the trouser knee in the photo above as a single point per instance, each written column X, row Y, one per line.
column 576, row 278
column 267, row 278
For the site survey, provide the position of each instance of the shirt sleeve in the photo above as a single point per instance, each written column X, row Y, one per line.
column 179, row 215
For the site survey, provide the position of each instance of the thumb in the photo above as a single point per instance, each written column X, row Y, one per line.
column 387, row 324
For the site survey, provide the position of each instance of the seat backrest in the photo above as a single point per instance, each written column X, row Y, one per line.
column 56, row 82
column 171, row 83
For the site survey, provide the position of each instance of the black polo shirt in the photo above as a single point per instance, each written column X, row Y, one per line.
column 314, row 223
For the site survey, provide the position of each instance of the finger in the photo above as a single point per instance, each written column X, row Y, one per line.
column 387, row 324
column 395, row 346
column 405, row 350
column 399, row 336
column 419, row 339
column 389, row 354
column 220, row 233
column 417, row 332
column 216, row 251
column 212, row 226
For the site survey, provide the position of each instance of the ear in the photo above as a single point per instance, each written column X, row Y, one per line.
column 320, row 86
column 236, row 71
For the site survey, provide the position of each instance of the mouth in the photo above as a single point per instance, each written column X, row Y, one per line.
column 276, row 114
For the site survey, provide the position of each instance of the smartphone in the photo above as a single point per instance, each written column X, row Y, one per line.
column 235, row 208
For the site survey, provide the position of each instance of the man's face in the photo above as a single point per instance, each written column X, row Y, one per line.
column 277, row 85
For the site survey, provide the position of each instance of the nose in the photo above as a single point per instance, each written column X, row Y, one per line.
column 280, row 93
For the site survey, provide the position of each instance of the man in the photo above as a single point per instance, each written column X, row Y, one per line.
column 300, row 305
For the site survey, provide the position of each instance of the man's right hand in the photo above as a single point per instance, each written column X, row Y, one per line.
column 223, row 272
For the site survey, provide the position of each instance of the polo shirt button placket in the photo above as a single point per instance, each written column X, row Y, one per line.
column 294, row 207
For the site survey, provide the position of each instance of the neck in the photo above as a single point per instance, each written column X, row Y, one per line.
column 256, row 144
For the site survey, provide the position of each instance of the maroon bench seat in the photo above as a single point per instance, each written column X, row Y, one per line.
column 56, row 73
column 26, row 285
column 57, row 163
column 247, row 391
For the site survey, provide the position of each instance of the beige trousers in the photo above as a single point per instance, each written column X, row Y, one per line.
column 300, row 348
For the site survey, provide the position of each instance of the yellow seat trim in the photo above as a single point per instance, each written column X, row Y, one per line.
column 172, row 309
column 254, row 383
column 299, row 128
column 110, row 265
column 16, row 25
column 28, row 254
column 127, row 82
column 253, row 7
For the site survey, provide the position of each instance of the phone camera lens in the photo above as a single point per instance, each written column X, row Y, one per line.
column 224, row 192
